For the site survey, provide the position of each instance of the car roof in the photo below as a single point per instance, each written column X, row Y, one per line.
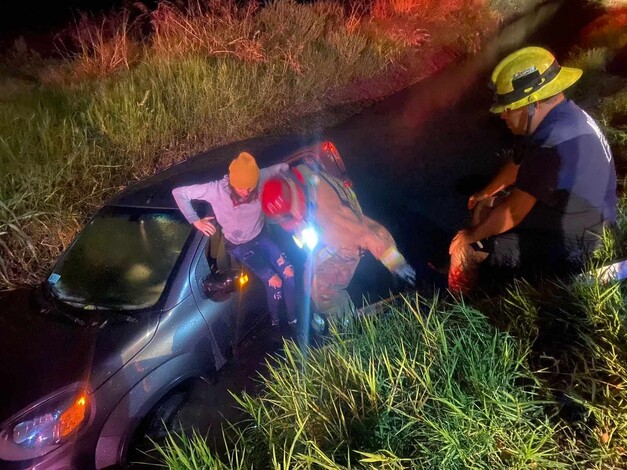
column 156, row 190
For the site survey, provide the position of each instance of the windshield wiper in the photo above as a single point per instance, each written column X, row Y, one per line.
column 51, row 309
column 118, row 311
column 83, row 304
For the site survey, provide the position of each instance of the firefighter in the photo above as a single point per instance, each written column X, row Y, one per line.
column 309, row 202
column 546, row 209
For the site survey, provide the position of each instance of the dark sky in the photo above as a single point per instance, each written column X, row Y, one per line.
column 40, row 21
column 29, row 15
column 37, row 17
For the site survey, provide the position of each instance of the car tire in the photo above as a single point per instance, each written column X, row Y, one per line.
column 163, row 418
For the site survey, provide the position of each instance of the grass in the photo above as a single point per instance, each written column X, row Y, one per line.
column 577, row 332
column 430, row 385
column 533, row 378
column 602, row 93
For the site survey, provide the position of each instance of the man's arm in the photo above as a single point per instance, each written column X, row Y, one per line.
column 366, row 233
column 379, row 241
column 503, row 217
column 184, row 195
column 269, row 172
column 504, row 178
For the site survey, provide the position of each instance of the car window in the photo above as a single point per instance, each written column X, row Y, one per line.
column 122, row 259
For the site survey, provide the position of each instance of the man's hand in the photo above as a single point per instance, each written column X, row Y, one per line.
column 476, row 198
column 205, row 226
column 460, row 242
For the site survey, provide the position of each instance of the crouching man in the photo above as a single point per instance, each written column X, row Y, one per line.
column 560, row 191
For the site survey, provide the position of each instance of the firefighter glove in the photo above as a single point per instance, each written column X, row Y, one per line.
column 396, row 263
column 406, row 273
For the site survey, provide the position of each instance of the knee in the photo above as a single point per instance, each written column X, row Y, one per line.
column 275, row 282
column 288, row 272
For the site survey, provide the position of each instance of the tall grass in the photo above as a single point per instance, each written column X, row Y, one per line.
column 533, row 378
column 137, row 92
column 577, row 332
column 103, row 45
column 429, row 385
column 602, row 93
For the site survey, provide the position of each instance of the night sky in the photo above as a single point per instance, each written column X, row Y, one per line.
column 37, row 20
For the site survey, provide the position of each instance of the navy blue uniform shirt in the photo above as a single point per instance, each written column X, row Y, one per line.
column 568, row 167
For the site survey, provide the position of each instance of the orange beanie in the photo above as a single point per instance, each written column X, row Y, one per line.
column 244, row 172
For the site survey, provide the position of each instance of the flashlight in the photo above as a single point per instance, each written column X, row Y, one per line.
column 308, row 237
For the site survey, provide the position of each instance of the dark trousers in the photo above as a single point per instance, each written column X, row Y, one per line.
column 265, row 259
column 533, row 255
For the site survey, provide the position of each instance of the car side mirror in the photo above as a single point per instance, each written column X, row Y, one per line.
column 218, row 285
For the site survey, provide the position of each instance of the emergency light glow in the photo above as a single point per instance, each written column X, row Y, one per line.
column 243, row 279
column 309, row 237
column 299, row 243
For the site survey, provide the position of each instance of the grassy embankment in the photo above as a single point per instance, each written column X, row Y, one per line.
column 136, row 96
column 535, row 378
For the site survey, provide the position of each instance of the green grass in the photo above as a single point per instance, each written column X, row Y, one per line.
column 603, row 94
column 578, row 336
column 430, row 385
column 533, row 378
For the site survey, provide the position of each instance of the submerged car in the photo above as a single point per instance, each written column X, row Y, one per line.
column 137, row 306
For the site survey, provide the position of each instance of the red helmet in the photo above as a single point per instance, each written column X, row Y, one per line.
column 284, row 201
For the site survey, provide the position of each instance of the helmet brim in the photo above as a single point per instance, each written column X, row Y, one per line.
column 566, row 77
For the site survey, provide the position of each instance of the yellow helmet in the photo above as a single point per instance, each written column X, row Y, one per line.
column 528, row 75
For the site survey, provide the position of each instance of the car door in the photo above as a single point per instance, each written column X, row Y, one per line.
column 230, row 316
column 217, row 313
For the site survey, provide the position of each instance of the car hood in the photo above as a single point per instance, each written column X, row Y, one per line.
column 44, row 346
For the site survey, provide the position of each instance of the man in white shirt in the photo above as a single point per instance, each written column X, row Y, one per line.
column 235, row 203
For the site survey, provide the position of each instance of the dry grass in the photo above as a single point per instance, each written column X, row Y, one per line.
column 102, row 45
column 415, row 23
column 215, row 28
column 609, row 29
column 427, row 10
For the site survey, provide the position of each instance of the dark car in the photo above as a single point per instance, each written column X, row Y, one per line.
column 137, row 306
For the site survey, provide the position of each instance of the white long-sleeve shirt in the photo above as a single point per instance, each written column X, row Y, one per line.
column 240, row 223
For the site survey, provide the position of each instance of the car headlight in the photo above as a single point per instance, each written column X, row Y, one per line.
column 43, row 427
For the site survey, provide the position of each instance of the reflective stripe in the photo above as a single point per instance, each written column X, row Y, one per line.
column 527, row 84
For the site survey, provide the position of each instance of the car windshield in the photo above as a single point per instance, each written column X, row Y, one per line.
column 121, row 260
